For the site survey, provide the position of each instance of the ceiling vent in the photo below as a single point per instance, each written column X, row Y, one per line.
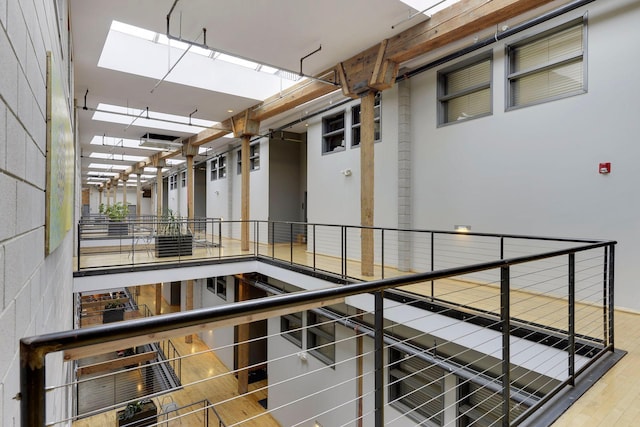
column 155, row 140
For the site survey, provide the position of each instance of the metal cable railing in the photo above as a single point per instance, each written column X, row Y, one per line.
column 491, row 334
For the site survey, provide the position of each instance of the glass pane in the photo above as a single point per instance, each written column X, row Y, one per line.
column 468, row 106
column 464, row 78
column 547, row 84
column 547, row 50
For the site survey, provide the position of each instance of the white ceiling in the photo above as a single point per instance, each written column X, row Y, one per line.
column 275, row 32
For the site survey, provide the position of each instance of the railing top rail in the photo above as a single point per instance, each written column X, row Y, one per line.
column 460, row 233
column 38, row 346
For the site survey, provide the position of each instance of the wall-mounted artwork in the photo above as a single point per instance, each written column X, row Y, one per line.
column 60, row 160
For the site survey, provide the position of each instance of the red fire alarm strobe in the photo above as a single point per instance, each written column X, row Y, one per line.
column 604, row 168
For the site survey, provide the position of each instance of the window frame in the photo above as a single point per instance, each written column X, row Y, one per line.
column 377, row 118
column 183, row 179
column 512, row 77
column 254, row 158
column 218, row 168
column 396, row 380
column 444, row 97
column 292, row 333
column 329, row 134
column 315, row 330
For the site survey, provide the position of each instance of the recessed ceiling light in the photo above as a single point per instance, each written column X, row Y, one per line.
column 229, row 111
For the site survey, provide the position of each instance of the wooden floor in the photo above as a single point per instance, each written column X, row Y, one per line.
column 206, row 364
column 612, row 401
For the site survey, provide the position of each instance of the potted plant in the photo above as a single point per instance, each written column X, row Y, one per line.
column 174, row 238
column 138, row 414
column 113, row 311
column 117, row 214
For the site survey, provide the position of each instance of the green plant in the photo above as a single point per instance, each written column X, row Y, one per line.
column 114, row 304
column 170, row 224
column 101, row 208
column 132, row 408
column 117, row 212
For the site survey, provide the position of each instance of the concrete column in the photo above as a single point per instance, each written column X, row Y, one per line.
column 405, row 208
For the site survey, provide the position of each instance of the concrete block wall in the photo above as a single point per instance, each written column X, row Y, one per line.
column 35, row 290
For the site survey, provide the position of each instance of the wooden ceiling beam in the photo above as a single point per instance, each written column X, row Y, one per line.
column 456, row 22
column 375, row 68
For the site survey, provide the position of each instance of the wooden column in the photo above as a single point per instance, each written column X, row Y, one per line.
column 125, row 178
column 367, row 132
column 158, row 298
column 190, row 151
column 100, row 190
column 138, row 195
column 243, row 344
column 159, row 191
column 245, row 208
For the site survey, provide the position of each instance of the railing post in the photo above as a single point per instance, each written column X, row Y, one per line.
column 32, row 386
column 273, row 240
column 501, row 247
column 379, row 359
column 572, row 318
column 291, row 242
column 432, row 261
column 343, row 249
column 314, row 247
column 382, row 253
column 505, row 314
column 79, row 237
column 605, row 295
column 219, row 239
column 612, row 259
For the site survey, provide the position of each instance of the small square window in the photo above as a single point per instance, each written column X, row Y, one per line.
column 321, row 334
column 333, row 133
column 548, row 66
column 291, row 328
column 464, row 90
column 355, row 122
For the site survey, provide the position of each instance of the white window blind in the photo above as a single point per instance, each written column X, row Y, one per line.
column 547, row 68
column 465, row 92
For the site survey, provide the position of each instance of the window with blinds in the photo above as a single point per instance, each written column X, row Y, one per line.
column 464, row 91
column 481, row 407
column 547, row 67
column 416, row 388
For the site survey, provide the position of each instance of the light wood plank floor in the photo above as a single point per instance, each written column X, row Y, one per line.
column 613, row 401
column 206, row 364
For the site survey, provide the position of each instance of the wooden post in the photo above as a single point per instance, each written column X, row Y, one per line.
column 159, row 192
column 125, row 178
column 158, row 298
column 245, row 208
column 138, row 195
column 367, row 132
column 190, row 152
column 243, row 344
column 100, row 190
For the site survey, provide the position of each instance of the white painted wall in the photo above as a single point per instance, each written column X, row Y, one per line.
column 535, row 170
column 36, row 289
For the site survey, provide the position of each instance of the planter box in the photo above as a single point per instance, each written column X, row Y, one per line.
column 146, row 417
column 116, row 228
column 113, row 315
column 168, row 245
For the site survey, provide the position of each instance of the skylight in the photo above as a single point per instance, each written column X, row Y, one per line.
column 433, row 6
column 142, row 52
column 107, row 167
column 152, row 119
column 121, row 157
column 120, row 142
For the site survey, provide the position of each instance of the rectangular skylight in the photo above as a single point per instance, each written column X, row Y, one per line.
column 122, row 157
column 102, row 173
column 156, row 120
column 433, row 6
column 136, row 52
column 108, row 141
column 107, row 167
